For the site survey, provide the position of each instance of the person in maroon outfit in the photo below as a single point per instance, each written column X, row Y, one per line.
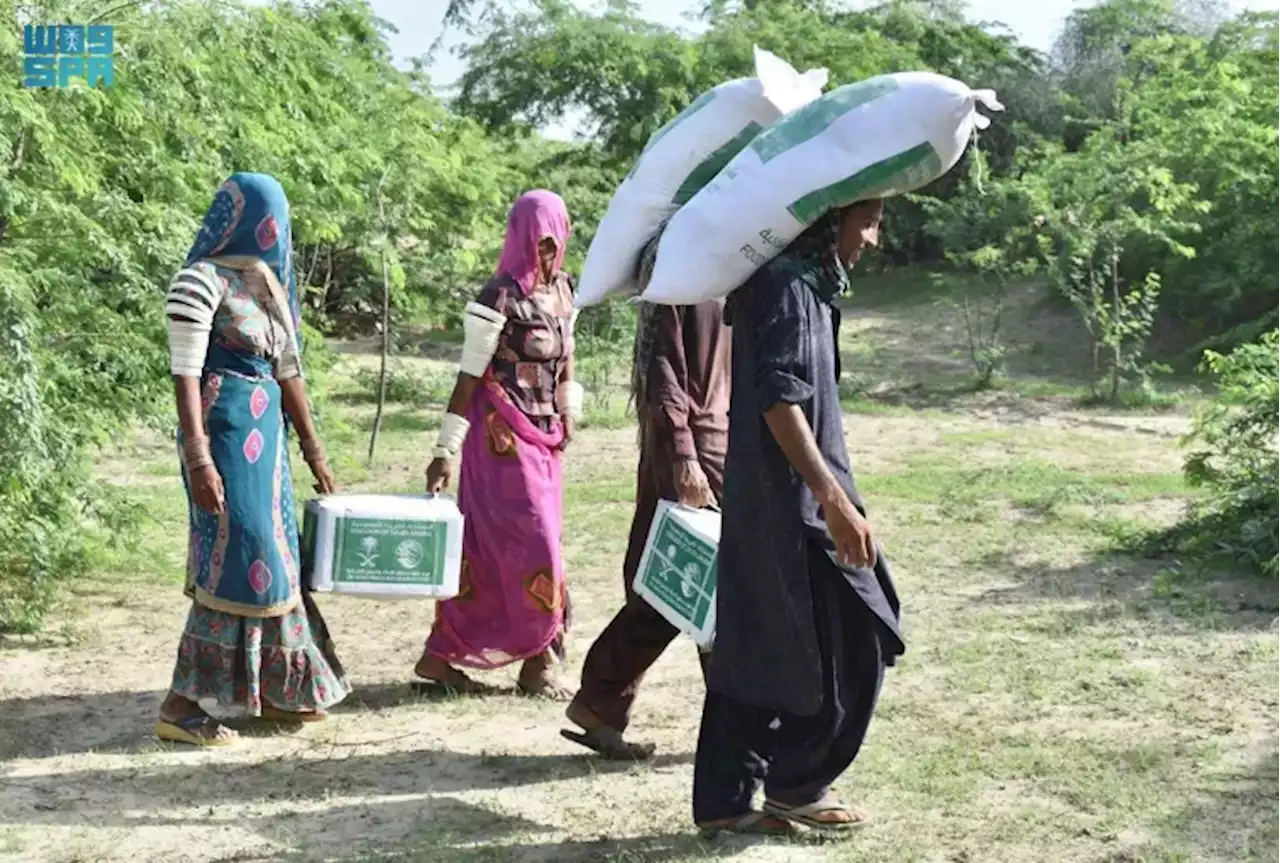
column 680, row 384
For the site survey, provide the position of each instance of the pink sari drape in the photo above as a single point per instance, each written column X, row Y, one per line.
column 512, row 600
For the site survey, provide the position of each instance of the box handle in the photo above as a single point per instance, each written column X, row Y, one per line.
column 709, row 508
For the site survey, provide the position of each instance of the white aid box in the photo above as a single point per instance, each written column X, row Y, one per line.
column 677, row 574
column 382, row 546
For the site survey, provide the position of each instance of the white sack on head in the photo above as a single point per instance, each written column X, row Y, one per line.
column 873, row 139
column 680, row 158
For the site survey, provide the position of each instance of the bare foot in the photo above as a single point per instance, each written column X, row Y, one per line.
column 438, row 673
column 536, row 680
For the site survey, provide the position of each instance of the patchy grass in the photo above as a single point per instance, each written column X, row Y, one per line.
column 1060, row 700
column 905, row 346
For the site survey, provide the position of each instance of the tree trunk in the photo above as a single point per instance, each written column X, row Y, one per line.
column 328, row 278
column 1095, row 331
column 1117, row 335
column 386, row 327
column 311, row 269
column 386, row 351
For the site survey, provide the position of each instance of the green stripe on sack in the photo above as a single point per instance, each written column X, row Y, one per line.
column 908, row 170
column 813, row 119
column 713, row 164
column 694, row 107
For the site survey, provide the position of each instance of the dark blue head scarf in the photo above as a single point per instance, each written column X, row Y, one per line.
column 250, row 216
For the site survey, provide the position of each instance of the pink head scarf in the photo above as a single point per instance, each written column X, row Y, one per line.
column 536, row 214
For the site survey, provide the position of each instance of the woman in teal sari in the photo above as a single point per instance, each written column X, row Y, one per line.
column 253, row 638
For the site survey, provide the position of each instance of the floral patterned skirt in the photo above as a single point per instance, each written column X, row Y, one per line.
column 288, row 662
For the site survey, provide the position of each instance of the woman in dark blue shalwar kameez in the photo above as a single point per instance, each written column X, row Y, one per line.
column 807, row 615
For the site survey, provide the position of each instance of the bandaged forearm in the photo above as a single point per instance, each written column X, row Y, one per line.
column 194, row 295
column 188, row 346
column 482, row 327
column 572, row 397
column 313, row 451
column 453, row 431
column 196, row 453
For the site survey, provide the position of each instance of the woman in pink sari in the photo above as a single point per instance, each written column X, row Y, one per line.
column 512, row 412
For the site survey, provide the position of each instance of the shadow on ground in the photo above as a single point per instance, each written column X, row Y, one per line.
column 644, row 849
column 1131, row 586
column 288, row 800
column 1235, row 819
column 121, row 723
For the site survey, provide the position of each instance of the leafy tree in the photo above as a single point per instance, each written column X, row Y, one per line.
column 1205, row 111
column 1233, row 457
column 993, row 232
column 1112, row 203
column 544, row 64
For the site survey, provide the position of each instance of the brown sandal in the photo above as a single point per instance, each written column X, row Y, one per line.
column 753, row 823
column 810, row 814
column 275, row 714
column 609, row 744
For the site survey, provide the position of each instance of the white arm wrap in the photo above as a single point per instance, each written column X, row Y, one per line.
column 194, row 296
column 573, row 340
column 188, row 345
column 482, row 327
column 453, row 431
column 572, row 396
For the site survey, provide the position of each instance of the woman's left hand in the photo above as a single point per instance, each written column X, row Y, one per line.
column 325, row 483
column 568, row 424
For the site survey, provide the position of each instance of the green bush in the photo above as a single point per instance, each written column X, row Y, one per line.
column 406, row 385
column 1233, row 457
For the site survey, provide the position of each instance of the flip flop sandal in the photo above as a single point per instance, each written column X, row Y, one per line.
column 810, row 814
column 194, row 730
column 609, row 744
column 753, row 823
column 275, row 714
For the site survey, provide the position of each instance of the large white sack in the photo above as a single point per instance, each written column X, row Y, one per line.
column 873, row 139
column 680, row 158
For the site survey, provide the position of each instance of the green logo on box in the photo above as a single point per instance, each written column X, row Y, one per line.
column 681, row 571
column 389, row 551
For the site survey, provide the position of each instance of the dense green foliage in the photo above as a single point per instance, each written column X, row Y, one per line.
column 101, row 192
column 1134, row 172
column 1233, row 457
